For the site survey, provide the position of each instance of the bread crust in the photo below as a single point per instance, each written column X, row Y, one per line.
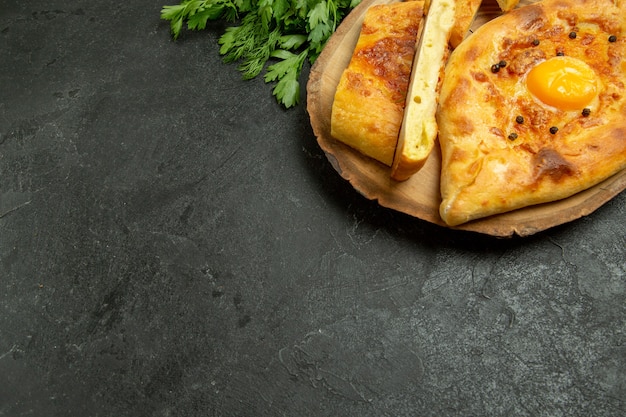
column 464, row 15
column 507, row 5
column 490, row 162
column 369, row 102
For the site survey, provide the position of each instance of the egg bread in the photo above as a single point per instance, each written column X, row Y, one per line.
column 533, row 108
column 419, row 128
column 368, row 106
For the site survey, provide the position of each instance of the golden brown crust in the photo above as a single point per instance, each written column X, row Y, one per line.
column 464, row 15
column 369, row 102
column 507, row 5
column 490, row 162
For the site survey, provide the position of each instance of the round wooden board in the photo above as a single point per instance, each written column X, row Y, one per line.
column 419, row 196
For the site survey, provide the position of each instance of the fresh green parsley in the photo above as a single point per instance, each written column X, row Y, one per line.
column 277, row 36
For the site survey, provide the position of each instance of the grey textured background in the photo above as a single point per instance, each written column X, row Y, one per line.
column 174, row 243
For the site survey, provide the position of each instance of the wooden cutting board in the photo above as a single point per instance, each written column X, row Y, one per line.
column 419, row 196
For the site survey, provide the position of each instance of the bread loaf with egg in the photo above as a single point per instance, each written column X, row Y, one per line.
column 533, row 108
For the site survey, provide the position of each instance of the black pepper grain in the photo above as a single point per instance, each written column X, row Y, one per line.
column 519, row 119
column 513, row 136
column 586, row 111
column 612, row 38
column 554, row 129
column 536, row 42
column 495, row 68
column 560, row 53
column 572, row 35
column 502, row 64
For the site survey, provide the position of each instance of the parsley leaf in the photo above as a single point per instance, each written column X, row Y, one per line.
column 275, row 35
column 286, row 71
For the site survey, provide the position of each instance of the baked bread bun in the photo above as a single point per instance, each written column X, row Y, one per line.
column 419, row 127
column 533, row 108
column 368, row 106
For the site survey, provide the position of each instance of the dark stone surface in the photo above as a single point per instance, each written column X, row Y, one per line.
column 174, row 243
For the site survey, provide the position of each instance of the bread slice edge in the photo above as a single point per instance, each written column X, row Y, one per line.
column 418, row 132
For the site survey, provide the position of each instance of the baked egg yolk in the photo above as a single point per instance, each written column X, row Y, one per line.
column 563, row 82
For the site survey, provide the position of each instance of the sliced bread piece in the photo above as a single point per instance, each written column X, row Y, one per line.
column 419, row 126
column 507, row 5
column 368, row 106
column 465, row 13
